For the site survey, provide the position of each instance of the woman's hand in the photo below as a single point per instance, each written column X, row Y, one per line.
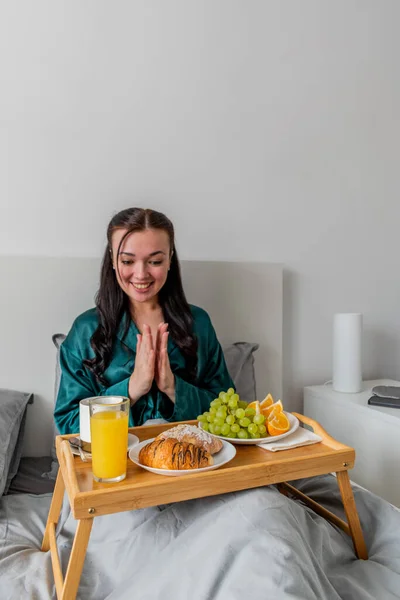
column 143, row 374
column 164, row 377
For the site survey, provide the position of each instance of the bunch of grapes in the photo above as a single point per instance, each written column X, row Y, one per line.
column 232, row 418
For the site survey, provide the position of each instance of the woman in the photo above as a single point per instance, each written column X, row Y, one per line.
column 143, row 340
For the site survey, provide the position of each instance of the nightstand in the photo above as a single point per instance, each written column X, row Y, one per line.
column 372, row 431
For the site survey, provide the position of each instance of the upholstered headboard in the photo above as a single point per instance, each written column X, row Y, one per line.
column 42, row 296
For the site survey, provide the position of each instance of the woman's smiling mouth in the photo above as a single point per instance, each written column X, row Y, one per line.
column 141, row 286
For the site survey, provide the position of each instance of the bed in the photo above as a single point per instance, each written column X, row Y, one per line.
column 257, row 542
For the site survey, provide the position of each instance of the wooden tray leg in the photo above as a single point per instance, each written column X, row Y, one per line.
column 76, row 560
column 54, row 512
column 352, row 514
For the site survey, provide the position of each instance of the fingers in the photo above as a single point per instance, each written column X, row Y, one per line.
column 162, row 355
column 145, row 353
column 154, row 354
column 147, row 338
column 164, row 341
column 151, row 359
column 161, row 329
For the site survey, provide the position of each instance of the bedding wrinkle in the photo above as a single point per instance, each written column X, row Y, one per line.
column 3, row 525
column 290, row 544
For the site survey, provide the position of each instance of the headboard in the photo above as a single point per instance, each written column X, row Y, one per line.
column 42, row 296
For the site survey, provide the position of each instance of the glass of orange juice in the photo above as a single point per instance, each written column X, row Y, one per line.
column 109, row 437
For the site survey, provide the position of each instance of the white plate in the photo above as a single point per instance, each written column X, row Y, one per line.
column 132, row 441
column 294, row 423
column 222, row 457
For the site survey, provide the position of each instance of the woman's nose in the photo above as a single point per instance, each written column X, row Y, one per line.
column 140, row 270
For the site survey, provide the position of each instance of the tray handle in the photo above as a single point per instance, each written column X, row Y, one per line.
column 66, row 458
column 319, row 430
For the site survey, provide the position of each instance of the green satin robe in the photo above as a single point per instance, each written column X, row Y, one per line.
column 77, row 382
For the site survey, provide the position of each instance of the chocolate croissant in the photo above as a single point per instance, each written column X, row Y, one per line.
column 171, row 454
column 193, row 435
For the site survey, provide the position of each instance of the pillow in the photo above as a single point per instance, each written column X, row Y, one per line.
column 29, row 479
column 58, row 339
column 12, row 425
column 240, row 363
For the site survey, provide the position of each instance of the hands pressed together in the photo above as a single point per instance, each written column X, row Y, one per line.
column 152, row 364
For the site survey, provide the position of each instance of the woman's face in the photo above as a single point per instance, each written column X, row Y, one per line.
column 143, row 263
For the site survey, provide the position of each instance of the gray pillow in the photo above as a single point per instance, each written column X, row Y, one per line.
column 12, row 425
column 29, row 479
column 240, row 363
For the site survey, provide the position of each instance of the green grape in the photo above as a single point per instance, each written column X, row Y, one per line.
column 252, row 429
column 235, row 427
column 217, row 429
column 230, row 419
column 262, row 429
column 202, row 418
column 221, row 413
column 230, row 391
column 216, row 403
column 205, row 414
column 211, row 418
column 225, row 398
column 258, row 419
column 225, row 429
column 250, row 412
column 212, row 410
column 205, row 426
column 245, row 422
column 254, row 436
column 243, row 434
column 242, row 404
column 239, row 413
column 211, row 428
column 232, row 434
column 221, row 395
column 232, row 403
column 218, row 421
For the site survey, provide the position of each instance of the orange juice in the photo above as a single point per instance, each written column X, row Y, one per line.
column 109, row 436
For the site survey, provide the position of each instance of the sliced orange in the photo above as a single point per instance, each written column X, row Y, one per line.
column 272, row 410
column 256, row 405
column 268, row 401
column 276, row 409
column 279, row 424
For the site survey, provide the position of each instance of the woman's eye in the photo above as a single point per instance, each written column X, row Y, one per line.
column 127, row 262
column 156, row 262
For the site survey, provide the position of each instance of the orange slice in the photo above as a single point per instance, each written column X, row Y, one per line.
column 279, row 424
column 272, row 410
column 256, row 405
column 276, row 409
column 268, row 401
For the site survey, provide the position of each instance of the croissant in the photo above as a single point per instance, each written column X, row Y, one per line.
column 193, row 435
column 171, row 454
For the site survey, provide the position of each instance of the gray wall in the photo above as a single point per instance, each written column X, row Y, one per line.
column 267, row 130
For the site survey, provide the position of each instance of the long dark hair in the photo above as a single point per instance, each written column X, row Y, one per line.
column 113, row 304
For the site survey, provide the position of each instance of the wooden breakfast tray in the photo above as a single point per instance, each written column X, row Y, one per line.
column 251, row 467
